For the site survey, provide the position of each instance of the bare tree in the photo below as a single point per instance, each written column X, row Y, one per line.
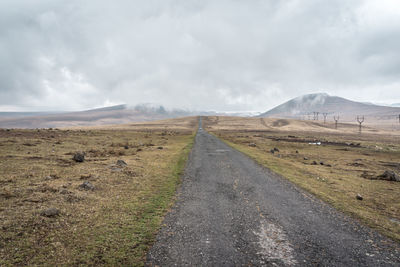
column 360, row 120
column 336, row 118
column 315, row 115
column 325, row 115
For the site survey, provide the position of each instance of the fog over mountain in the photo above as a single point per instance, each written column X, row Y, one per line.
column 304, row 107
column 221, row 55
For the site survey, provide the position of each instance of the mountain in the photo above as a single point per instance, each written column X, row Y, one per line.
column 119, row 114
column 116, row 107
column 304, row 106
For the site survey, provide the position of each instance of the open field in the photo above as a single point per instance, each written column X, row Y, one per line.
column 47, row 216
column 222, row 123
column 350, row 163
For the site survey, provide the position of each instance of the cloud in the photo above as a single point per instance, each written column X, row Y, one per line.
column 219, row 55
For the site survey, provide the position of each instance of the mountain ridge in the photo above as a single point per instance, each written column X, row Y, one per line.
column 323, row 103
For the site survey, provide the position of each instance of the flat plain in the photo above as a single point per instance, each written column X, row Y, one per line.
column 55, row 211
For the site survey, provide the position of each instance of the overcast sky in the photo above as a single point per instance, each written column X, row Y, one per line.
column 220, row 55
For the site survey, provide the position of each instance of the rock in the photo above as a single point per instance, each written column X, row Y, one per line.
column 328, row 165
column 51, row 212
column 86, row 186
column 297, row 152
column 121, row 163
column 64, row 192
column 126, row 147
column 138, row 150
column 389, row 176
column 252, row 145
column 85, row 177
column 365, row 175
column 79, row 157
column 314, row 163
column 305, row 158
column 51, row 177
column 359, row 197
column 160, row 147
column 272, row 151
column 321, row 163
column 276, row 150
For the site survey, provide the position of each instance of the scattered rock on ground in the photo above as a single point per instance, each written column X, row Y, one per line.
column 297, row 152
column 275, row 149
column 79, row 157
column 252, row 145
column 126, row 147
column 64, row 192
column 359, row 197
column 160, row 147
column 321, row 163
column 51, row 177
column 389, row 176
column 51, row 212
column 272, row 151
column 84, row 177
column 121, row 163
column 305, row 158
column 314, row 163
column 86, row 186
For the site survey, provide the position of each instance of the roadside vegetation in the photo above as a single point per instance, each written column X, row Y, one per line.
column 345, row 170
column 105, row 210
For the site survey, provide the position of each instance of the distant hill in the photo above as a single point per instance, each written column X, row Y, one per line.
column 117, row 107
column 119, row 114
column 101, row 116
column 303, row 106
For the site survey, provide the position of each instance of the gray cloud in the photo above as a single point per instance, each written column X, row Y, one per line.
column 197, row 54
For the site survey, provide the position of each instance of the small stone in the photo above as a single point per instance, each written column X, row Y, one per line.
column 305, row 158
column 79, row 157
column 272, row 151
column 51, row 177
column 297, row 152
column 64, row 192
column 86, row 186
column 252, row 145
column 359, row 197
column 121, row 163
column 321, row 163
column 314, row 163
column 276, row 150
column 160, row 147
column 126, row 147
column 51, row 212
column 389, row 176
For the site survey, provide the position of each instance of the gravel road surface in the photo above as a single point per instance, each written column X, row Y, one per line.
column 232, row 212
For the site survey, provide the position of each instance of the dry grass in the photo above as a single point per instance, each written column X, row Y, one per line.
column 222, row 123
column 337, row 184
column 115, row 223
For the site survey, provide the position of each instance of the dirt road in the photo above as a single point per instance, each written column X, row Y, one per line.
column 232, row 212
